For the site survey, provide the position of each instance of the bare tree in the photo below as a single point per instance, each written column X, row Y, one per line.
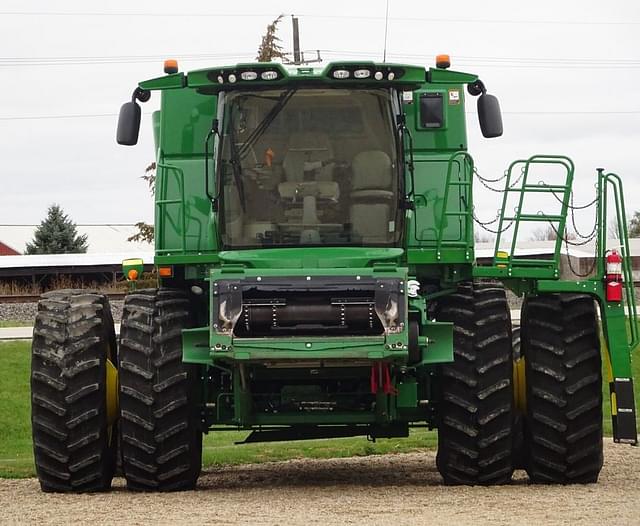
column 544, row 234
column 612, row 229
column 483, row 237
column 550, row 233
column 270, row 47
column 634, row 225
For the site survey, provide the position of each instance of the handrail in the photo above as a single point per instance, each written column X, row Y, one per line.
column 523, row 187
column 163, row 201
column 467, row 182
column 614, row 181
column 466, row 241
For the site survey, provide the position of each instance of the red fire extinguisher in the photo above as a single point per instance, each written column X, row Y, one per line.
column 613, row 276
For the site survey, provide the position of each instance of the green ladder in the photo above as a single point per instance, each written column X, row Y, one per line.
column 507, row 265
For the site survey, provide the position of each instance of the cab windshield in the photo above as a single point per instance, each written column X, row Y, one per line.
column 309, row 167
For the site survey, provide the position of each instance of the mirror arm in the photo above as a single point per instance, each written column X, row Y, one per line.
column 140, row 94
column 477, row 88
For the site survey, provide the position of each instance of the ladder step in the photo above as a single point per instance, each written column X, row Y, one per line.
column 445, row 243
column 516, row 262
column 546, row 187
column 534, row 217
column 539, row 189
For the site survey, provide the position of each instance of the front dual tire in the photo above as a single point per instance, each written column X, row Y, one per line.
column 74, row 395
column 482, row 436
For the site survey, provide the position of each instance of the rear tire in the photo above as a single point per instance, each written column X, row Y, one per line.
column 161, row 439
column 563, row 429
column 74, row 446
column 475, row 441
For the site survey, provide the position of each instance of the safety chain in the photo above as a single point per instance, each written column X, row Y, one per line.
column 565, row 238
column 485, row 225
column 573, row 207
column 484, row 180
column 574, row 271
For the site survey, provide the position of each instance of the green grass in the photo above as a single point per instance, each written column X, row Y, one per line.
column 16, row 457
column 15, row 323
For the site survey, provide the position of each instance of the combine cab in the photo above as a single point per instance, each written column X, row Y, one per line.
column 314, row 239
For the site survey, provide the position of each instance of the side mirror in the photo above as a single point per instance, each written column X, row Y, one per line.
column 489, row 116
column 129, row 124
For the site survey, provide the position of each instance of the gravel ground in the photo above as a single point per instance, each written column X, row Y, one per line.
column 27, row 311
column 394, row 489
column 18, row 311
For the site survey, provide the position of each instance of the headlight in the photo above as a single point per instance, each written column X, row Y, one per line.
column 362, row 73
column 269, row 75
column 232, row 78
column 248, row 75
column 378, row 75
column 341, row 74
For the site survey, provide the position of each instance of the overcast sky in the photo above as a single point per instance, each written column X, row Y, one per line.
column 567, row 75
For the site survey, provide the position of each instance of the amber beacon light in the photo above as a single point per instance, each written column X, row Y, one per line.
column 170, row 66
column 443, row 61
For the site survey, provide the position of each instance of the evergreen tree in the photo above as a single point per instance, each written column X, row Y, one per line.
column 270, row 47
column 57, row 234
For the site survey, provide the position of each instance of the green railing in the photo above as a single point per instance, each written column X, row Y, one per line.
column 610, row 184
column 465, row 212
column 506, row 262
column 162, row 215
column 462, row 210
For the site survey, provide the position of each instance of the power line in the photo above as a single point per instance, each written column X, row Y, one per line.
column 506, row 62
column 52, row 117
column 123, row 59
column 45, row 117
column 480, row 20
column 310, row 15
column 136, row 14
column 462, row 60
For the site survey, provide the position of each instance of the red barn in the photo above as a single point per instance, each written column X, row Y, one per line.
column 6, row 250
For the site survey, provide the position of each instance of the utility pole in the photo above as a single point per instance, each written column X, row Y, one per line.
column 296, row 41
column 298, row 56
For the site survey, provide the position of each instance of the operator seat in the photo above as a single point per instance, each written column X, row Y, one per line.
column 371, row 197
column 308, row 172
column 308, row 148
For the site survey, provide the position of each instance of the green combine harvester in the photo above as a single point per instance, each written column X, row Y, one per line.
column 314, row 241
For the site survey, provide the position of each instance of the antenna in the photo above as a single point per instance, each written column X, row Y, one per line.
column 386, row 26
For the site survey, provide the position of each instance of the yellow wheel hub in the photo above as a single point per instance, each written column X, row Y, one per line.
column 519, row 385
column 112, row 393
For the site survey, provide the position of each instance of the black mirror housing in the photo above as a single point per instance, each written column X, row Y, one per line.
column 489, row 116
column 128, row 124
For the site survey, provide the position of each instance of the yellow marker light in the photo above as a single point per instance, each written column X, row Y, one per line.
column 502, row 255
column 132, row 275
column 170, row 66
column 443, row 61
column 165, row 272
